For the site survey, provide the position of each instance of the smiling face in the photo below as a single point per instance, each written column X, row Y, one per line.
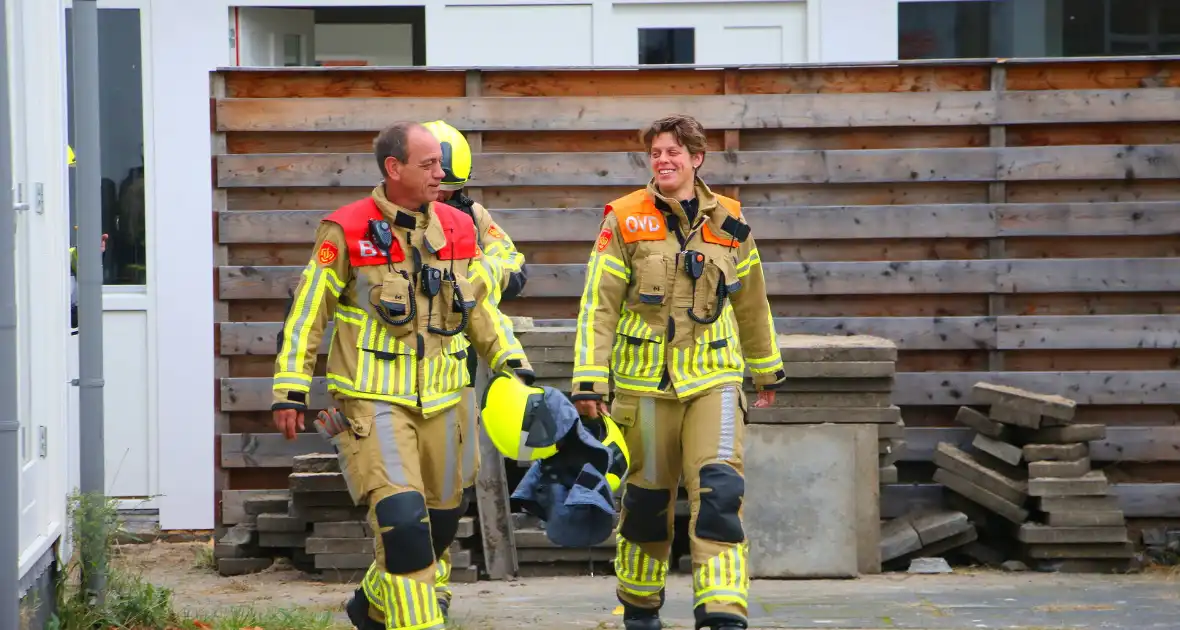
column 417, row 180
column 676, row 149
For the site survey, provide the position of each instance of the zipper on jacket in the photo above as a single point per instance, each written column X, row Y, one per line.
column 418, row 367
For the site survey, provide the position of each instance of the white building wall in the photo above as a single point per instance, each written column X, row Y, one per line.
column 189, row 39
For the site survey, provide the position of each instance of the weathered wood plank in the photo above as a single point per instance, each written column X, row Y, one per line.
column 1136, row 500
column 537, row 225
column 909, row 333
column 1074, row 275
column 731, row 111
column 1063, row 332
column 1149, row 387
column 983, row 164
column 572, row 113
column 1122, row 444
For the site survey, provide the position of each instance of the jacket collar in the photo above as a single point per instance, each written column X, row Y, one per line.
column 706, row 203
column 421, row 219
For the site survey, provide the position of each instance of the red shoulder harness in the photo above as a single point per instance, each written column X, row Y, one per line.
column 354, row 220
column 459, row 230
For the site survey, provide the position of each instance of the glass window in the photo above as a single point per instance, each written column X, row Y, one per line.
column 940, row 29
column 120, row 107
column 667, row 46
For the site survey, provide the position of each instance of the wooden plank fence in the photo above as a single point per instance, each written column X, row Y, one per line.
column 1017, row 222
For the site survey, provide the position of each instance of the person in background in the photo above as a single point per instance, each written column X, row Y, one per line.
column 674, row 310
column 71, row 160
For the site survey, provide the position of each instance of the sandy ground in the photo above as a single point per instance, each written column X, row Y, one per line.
column 965, row 599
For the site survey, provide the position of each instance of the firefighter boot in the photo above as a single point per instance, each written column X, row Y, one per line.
column 358, row 612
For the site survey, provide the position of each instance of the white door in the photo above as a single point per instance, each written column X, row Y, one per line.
column 34, row 515
column 273, row 37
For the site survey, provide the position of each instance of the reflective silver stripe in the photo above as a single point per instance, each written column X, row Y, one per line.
column 386, row 440
column 308, row 302
column 451, row 458
column 647, row 429
column 728, row 423
column 470, row 442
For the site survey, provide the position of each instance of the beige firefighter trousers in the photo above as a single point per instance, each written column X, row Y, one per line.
column 699, row 441
column 410, row 471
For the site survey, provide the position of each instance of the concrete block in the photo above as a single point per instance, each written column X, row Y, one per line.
column 804, row 522
column 887, row 474
column 1105, row 518
column 1043, row 404
column 973, row 419
column 321, row 499
column 1092, row 483
column 1095, row 551
column 989, row 500
column 935, row 525
column 269, row 504
column 1002, row 451
column 950, row 543
column 786, row 398
column 343, row 560
column 1082, row 565
column 836, row 348
column 964, row 465
column 330, row 514
column 346, row 529
column 1016, row 473
column 898, row 538
column 839, row 369
column 316, row 545
column 984, row 553
column 243, row 566
column 1014, row 416
column 316, row 482
column 1063, row 435
column 1055, row 452
column 1064, row 469
column 867, row 501
column 285, row 539
column 892, row 431
column 280, row 523
column 822, row 415
column 1077, row 503
column 1035, row 533
column 316, row 463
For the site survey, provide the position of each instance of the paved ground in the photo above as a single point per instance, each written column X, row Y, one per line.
column 964, row 600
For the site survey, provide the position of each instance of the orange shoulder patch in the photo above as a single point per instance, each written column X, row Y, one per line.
column 642, row 224
column 709, row 236
column 494, row 231
column 328, row 253
column 604, row 238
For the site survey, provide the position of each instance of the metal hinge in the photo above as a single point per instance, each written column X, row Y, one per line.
column 39, row 197
column 44, row 432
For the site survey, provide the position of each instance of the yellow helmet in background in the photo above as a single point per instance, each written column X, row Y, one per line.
column 70, row 156
column 456, row 155
column 517, row 420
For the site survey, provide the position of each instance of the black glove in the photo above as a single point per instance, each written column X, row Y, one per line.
column 526, row 375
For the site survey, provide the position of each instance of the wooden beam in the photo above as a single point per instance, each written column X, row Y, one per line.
column 909, row 333
column 492, row 496
column 1146, row 387
column 984, row 164
column 729, row 111
column 1136, row 500
column 1092, row 332
column 1072, row 275
column 1122, row 444
column 788, row 223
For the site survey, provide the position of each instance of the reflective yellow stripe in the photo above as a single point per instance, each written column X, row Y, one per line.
column 315, row 282
column 584, row 336
column 637, row 572
column 510, row 347
column 724, row 578
column 442, row 575
column 744, row 267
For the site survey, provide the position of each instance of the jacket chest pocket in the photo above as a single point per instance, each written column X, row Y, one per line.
column 393, row 301
column 654, row 275
column 711, row 291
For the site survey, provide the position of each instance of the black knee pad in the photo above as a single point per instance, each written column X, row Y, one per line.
column 444, row 524
column 722, row 490
column 408, row 547
column 647, row 515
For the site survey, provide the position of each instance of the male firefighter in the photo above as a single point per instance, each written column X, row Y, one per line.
column 505, row 269
column 396, row 272
column 673, row 287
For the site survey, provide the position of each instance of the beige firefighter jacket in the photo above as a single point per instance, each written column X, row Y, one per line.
column 391, row 341
column 645, row 323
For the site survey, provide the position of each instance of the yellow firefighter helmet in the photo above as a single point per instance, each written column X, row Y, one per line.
column 516, row 419
column 70, row 156
column 456, row 155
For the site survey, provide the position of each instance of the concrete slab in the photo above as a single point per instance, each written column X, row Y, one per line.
column 801, row 499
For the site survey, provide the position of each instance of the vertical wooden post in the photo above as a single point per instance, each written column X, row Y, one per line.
column 220, row 312
column 491, row 495
column 996, row 193
column 491, row 487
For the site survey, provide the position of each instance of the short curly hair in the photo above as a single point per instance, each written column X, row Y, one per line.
column 687, row 130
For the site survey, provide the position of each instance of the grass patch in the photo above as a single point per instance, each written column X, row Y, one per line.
column 203, row 558
column 123, row 600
